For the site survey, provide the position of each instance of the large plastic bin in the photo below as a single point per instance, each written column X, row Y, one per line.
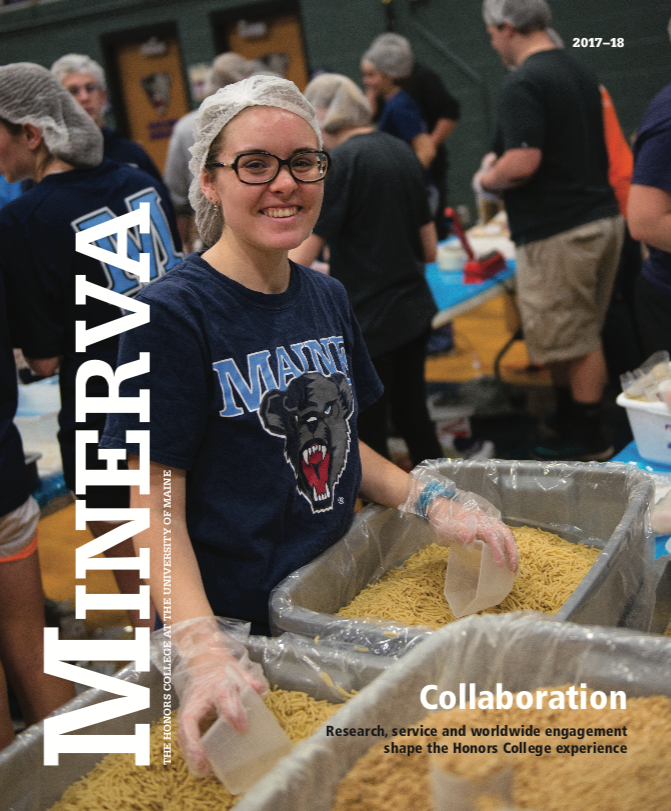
column 603, row 505
column 519, row 650
column 26, row 784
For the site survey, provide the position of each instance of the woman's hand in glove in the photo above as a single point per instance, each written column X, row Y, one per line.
column 465, row 523
column 210, row 670
column 460, row 516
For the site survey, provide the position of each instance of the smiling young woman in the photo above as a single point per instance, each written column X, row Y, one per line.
column 258, row 373
column 262, row 220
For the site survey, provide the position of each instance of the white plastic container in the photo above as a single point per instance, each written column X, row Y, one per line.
column 451, row 256
column 651, row 426
column 473, row 581
column 239, row 759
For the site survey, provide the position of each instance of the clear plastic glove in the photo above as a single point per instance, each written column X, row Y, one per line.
column 209, row 669
column 487, row 163
column 460, row 516
column 489, row 196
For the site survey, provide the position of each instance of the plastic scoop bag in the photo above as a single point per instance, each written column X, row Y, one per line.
column 239, row 759
column 473, row 581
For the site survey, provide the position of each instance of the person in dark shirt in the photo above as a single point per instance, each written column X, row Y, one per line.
column 47, row 137
column 441, row 111
column 85, row 80
column 21, row 596
column 549, row 162
column 649, row 214
column 376, row 222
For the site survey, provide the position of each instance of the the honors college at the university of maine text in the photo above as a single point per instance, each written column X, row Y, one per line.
column 60, row 653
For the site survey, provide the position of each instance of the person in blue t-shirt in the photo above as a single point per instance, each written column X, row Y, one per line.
column 391, row 54
column 385, row 69
column 258, row 372
column 47, row 137
column 649, row 216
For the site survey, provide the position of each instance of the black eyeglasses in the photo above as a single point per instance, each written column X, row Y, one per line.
column 261, row 167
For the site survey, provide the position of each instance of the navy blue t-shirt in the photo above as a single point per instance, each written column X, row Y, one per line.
column 402, row 117
column 14, row 489
column 652, row 167
column 256, row 396
column 39, row 263
column 123, row 150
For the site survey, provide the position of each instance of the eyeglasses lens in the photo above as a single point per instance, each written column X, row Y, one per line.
column 305, row 166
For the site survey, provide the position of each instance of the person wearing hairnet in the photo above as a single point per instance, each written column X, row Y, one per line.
column 439, row 109
column 85, row 80
column 386, row 66
column 47, row 137
column 226, row 69
column 258, row 374
column 376, row 221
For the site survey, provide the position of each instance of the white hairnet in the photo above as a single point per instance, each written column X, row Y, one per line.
column 345, row 104
column 79, row 63
column 29, row 94
column 226, row 69
column 215, row 112
column 392, row 55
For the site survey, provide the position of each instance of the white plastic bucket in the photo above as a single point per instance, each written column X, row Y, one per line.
column 651, row 426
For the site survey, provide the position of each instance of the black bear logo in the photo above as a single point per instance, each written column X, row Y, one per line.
column 312, row 415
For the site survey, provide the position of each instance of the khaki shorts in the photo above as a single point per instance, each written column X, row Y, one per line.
column 564, row 284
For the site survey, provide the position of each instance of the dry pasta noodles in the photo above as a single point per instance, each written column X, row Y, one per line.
column 117, row 784
column 639, row 779
column 550, row 570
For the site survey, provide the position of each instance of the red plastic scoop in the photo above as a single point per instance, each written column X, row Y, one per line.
column 475, row 270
